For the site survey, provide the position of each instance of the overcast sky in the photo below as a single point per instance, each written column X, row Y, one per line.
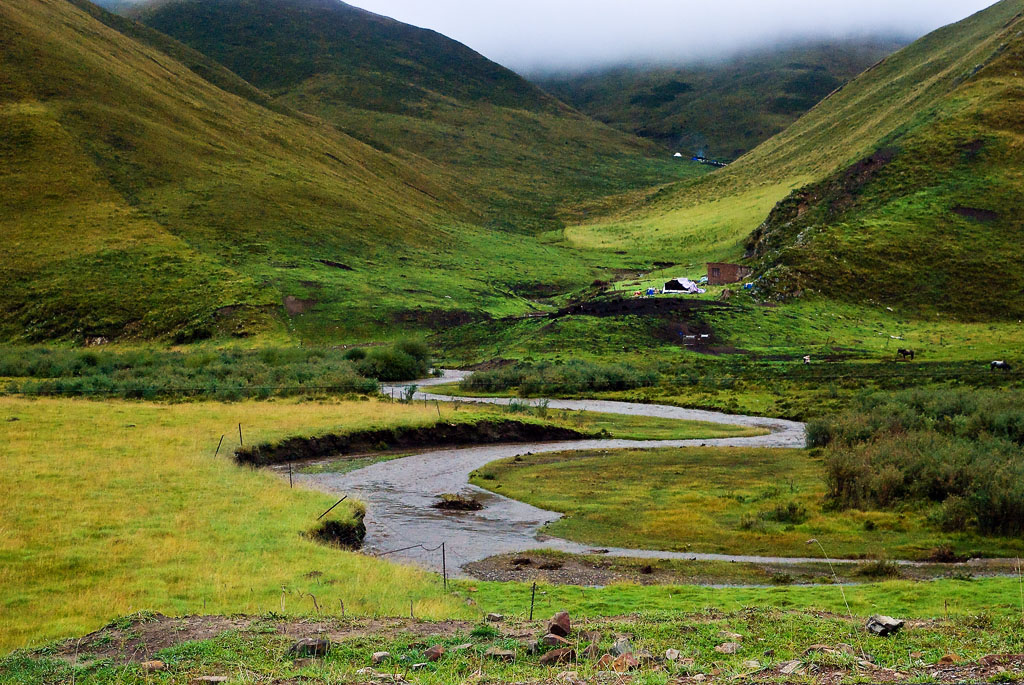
column 531, row 35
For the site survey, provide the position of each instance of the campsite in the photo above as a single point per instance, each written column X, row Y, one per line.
column 425, row 343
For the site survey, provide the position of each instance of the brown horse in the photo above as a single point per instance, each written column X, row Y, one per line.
column 903, row 354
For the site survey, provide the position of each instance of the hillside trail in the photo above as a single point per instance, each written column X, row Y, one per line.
column 402, row 524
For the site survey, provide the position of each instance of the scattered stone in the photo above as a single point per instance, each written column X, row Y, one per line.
column 303, row 663
column 500, row 654
column 621, row 646
column 789, row 668
column 434, row 653
column 591, row 636
column 210, row 679
column 495, row 618
column 309, row 647
column 647, row 659
column 463, row 647
column 949, row 660
column 558, row 656
column 531, row 647
column 552, row 640
column 699, row 678
column 420, row 666
column 864, row 663
column 151, row 666
column 728, row 648
column 825, row 649
column 605, row 662
column 592, row 651
column 671, row 654
column 625, row 662
column 916, row 655
column 367, row 671
column 687, row 662
column 380, row 657
column 845, row 648
column 560, row 624
column 883, row 626
column 735, row 637
column 752, row 663
column 569, row 678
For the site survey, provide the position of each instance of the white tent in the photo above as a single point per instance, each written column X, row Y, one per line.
column 682, row 286
column 678, row 154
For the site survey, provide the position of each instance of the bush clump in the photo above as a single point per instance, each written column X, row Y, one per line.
column 958, row 449
column 404, row 361
column 546, row 378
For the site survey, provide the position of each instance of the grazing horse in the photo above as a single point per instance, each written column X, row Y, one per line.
column 1001, row 365
column 903, row 354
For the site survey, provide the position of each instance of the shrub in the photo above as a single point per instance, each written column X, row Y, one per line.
column 355, row 354
column 390, row 364
column 792, row 513
column 954, row 448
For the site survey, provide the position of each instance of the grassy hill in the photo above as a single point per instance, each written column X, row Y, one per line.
column 147, row 191
column 719, row 109
column 511, row 148
column 905, row 186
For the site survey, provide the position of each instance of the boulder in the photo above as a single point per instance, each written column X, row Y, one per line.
column 728, row 648
column 495, row 618
column 560, row 624
column 379, row 657
column 883, row 626
column 552, row 640
column 558, row 656
column 309, row 647
column 434, row 653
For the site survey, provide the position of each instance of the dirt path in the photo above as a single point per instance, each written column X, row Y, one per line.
column 399, row 493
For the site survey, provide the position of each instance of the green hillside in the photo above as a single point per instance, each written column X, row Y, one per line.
column 146, row 191
column 718, row 109
column 510, row 147
column 905, row 185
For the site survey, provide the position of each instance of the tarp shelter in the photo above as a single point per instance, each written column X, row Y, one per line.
column 682, row 286
column 678, row 154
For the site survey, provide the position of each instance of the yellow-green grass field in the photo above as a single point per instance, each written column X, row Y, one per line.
column 112, row 507
column 730, row 501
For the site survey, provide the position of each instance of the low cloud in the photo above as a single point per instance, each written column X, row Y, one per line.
column 545, row 35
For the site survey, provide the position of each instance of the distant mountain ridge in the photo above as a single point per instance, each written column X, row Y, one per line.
column 515, row 151
column 721, row 109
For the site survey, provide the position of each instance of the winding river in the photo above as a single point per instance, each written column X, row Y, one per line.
column 401, row 523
